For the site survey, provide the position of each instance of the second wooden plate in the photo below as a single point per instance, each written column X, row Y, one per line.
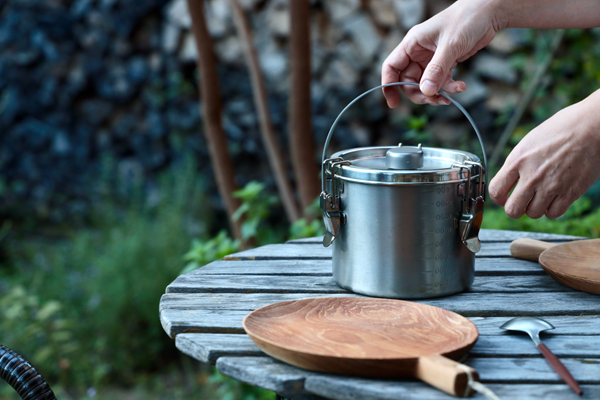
column 574, row 264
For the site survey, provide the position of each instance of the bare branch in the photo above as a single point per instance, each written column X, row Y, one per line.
column 302, row 144
column 259, row 91
column 211, row 114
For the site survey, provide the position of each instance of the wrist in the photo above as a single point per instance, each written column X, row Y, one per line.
column 501, row 13
column 497, row 12
column 590, row 120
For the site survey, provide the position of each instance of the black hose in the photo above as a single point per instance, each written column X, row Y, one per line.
column 25, row 379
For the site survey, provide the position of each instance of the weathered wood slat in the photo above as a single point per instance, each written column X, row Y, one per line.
column 266, row 373
column 270, row 267
column 209, row 347
column 183, row 320
column 318, row 252
column 180, row 320
column 223, row 313
column 534, row 370
column 564, row 325
column 176, row 321
column 253, row 284
column 468, row 304
column 269, row 373
column 325, row 284
column 521, row 345
column 483, row 266
column 485, row 235
column 333, row 387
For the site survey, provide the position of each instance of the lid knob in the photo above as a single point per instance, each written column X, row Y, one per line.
column 404, row 157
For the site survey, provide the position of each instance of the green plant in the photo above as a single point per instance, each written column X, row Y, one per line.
column 309, row 226
column 255, row 208
column 416, row 128
column 108, row 280
column 579, row 220
column 229, row 389
column 39, row 331
column 203, row 252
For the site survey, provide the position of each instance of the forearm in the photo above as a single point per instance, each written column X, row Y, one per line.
column 546, row 14
column 590, row 106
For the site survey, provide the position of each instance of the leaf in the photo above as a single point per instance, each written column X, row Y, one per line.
column 190, row 267
column 48, row 310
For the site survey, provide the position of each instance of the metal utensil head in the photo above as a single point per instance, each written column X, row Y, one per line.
column 530, row 325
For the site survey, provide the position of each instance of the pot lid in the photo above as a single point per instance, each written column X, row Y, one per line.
column 402, row 164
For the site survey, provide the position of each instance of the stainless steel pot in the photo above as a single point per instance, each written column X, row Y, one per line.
column 403, row 221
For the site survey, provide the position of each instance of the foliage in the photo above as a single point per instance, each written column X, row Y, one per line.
column 306, row 228
column 25, row 321
column 255, row 210
column 311, row 225
column 579, row 220
column 229, row 389
column 107, row 280
column 204, row 252
column 416, row 128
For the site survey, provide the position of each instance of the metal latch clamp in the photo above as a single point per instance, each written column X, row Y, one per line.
column 469, row 222
column 330, row 201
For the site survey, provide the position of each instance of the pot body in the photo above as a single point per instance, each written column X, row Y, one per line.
column 401, row 241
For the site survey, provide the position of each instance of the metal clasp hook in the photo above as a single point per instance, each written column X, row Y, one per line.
column 469, row 223
column 330, row 201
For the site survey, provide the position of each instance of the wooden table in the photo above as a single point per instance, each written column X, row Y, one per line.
column 203, row 312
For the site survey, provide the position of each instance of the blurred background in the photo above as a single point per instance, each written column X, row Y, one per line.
column 107, row 181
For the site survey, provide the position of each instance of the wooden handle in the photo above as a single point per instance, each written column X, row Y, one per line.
column 560, row 369
column 445, row 374
column 529, row 249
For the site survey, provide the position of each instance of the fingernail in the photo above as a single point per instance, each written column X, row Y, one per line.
column 428, row 88
column 443, row 102
column 459, row 89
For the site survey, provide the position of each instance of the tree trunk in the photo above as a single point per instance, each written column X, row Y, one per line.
column 302, row 144
column 211, row 114
column 275, row 156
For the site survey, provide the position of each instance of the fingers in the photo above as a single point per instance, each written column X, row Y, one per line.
column 558, row 207
column 451, row 86
column 539, row 204
column 412, row 73
column 437, row 70
column 393, row 65
column 502, row 183
column 519, row 199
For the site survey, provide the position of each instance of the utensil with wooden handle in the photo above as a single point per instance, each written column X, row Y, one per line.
column 368, row 337
column 574, row 264
column 533, row 326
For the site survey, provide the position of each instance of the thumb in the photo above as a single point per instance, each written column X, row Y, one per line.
column 437, row 71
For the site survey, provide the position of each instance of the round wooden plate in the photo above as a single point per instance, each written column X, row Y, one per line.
column 367, row 337
column 573, row 264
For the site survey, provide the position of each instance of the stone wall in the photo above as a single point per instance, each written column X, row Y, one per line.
column 87, row 78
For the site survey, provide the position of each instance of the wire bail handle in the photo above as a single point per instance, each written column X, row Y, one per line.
column 472, row 214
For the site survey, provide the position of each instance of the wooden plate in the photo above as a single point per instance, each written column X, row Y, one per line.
column 367, row 337
column 573, row 264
